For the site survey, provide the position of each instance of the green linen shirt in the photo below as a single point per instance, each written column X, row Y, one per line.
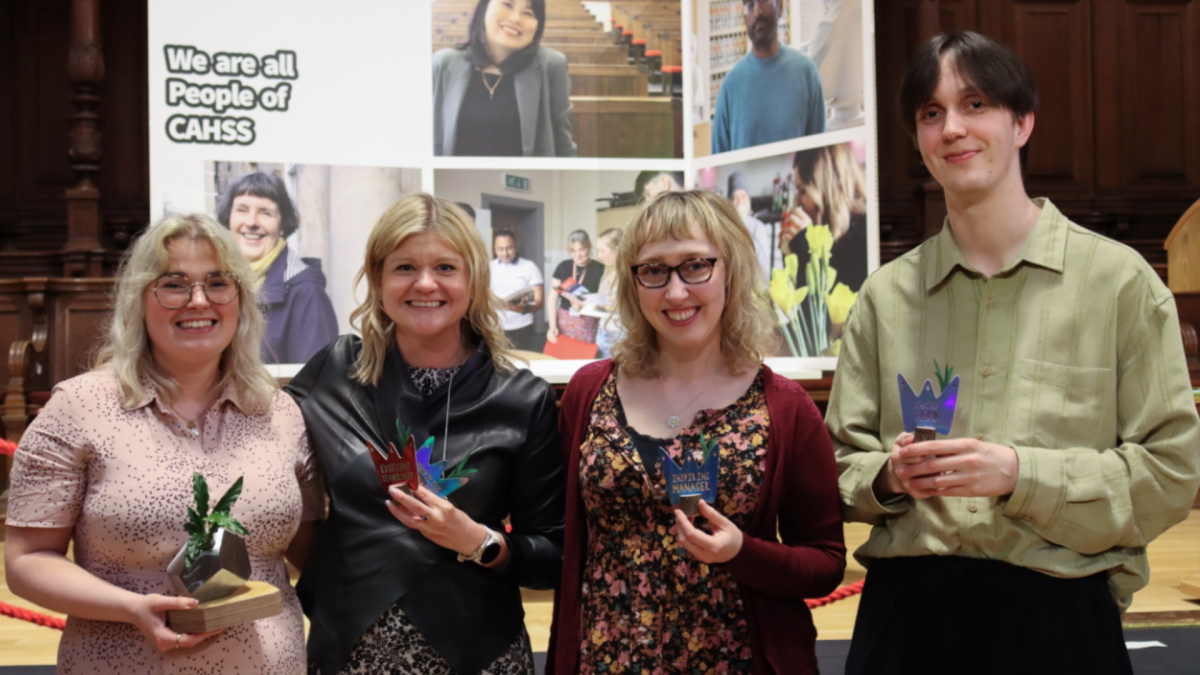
column 1071, row 355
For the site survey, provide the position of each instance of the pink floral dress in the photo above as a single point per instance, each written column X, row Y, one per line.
column 648, row 606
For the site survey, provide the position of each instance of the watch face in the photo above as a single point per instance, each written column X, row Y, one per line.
column 489, row 554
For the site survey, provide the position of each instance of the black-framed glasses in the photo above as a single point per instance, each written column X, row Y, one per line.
column 174, row 290
column 657, row 275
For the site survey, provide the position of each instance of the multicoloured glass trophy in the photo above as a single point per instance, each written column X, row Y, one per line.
column 413, row 467
column 926, row 416
column 395, row 468
column 689, row 483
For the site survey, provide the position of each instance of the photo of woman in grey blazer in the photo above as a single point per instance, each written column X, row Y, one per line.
column 501, row 94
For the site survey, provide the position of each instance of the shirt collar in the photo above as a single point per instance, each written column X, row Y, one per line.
column 1045, row 247
column 151, row 393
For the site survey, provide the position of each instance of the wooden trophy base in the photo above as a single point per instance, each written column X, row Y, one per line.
column 922, row 434
column 254, row 600
column 690, row 505
column 1191, row 587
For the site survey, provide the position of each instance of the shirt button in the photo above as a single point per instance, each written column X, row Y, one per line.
column 972, row 508
column 979, row 437
column 986, row 371
column 991, row 304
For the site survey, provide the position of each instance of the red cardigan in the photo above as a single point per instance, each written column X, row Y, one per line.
column 800, row 497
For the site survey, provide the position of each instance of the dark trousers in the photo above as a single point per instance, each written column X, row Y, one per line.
column 956, row 615
column 524, row 338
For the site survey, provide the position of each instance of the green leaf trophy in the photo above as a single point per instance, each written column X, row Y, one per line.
column 214, row 568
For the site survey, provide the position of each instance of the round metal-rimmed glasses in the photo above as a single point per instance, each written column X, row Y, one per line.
column 174, row 290
column 657, row 275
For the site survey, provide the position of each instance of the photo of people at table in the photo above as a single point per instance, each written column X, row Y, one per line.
column 775, row 74
column 807, row 214
column 554, row 246
column 527, row 78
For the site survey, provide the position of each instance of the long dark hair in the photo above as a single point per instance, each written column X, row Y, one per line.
column 476, row 44
column 266, row 186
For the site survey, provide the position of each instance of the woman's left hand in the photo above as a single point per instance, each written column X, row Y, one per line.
column 719, row 547
column 440, row 521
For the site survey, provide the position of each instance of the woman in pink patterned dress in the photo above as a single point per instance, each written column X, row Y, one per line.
column 108, row 463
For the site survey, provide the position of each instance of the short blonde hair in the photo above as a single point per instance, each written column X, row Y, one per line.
column 422, row 213
column 126, row 349
column 748, row 330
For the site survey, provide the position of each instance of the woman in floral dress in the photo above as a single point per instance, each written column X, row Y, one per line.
column 645, row 589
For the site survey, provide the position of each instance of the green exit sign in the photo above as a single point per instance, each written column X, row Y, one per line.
column 514, row 182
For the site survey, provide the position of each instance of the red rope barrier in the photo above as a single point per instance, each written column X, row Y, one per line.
column 31, row 616
column 840, row 594
column 58, row 624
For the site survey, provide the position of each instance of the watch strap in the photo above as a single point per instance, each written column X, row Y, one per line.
column 489, row 539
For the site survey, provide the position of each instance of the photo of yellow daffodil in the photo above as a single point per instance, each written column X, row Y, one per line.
column 811, row 316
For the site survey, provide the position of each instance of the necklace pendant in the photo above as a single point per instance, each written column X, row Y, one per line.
column 192, row 429
column 673, row 421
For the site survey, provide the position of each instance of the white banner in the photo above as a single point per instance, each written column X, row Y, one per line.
column 321, row 115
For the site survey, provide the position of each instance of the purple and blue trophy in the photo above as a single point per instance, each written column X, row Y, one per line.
column 926, row 416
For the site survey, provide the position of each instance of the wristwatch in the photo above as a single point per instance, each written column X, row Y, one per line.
column 487, row 551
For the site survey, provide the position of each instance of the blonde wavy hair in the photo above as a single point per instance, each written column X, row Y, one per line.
column 834, row 180
column 748, row 330
column 126, row 349
column 422, row 213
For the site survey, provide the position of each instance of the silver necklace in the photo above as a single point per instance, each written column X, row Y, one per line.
column 449, row 392
column 673, row 420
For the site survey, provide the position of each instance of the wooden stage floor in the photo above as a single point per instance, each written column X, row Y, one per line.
column 1173, row 557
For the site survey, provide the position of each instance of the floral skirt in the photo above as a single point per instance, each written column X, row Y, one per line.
column 394, row 646
column 582, row 328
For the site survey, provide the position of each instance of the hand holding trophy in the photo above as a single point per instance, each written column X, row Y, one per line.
column 690, row 483
column 214, row 568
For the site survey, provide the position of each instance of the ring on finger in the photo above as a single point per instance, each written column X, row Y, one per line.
column 178, row 637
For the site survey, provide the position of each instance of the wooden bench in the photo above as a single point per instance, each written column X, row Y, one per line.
column 626, row 126
column 594, row 80
column 579, row 37
column 441, row 10
column 606, row 54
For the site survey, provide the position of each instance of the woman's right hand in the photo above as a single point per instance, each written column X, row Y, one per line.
column 552, row 334
column 796, row 221
column 149, row 614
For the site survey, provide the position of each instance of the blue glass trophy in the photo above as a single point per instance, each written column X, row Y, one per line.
column 691, row 482
column 926, row 415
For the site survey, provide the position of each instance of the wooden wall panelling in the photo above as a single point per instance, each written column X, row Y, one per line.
column 8, row 55
column 1054, row 38
column 79, row 311
column 39, row 105
column 34, row 109
column 1157, row 81
column 124, row 178
column 900, row 28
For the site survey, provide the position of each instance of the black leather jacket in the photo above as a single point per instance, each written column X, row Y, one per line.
column 364, row 560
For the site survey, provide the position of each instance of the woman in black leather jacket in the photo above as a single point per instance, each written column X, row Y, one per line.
column 425, row 583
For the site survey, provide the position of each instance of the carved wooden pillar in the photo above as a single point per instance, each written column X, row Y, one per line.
column 83, row 254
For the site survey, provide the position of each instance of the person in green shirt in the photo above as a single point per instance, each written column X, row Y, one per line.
column 1013, row 542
